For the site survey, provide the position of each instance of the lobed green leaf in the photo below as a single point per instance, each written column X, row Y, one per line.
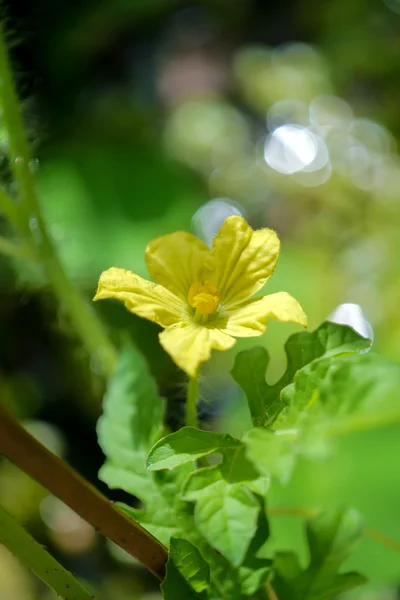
column 249, row 372
column 131, row 422
column 265, row 402
column 329, row 398
column 226, row 504
column 340, row 395
column 238, row 583
column 273, row 453
column 188, row 445
column 187, row 574
column 331, row 537
column 167, row 513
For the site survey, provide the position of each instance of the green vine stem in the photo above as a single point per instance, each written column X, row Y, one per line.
column 27, row 218
column 39, row 561
column 10, row 208
column 191, row 402
column 54, row 474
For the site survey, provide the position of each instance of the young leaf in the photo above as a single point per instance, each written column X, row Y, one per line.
column 330, row 339
column 227, row 517
column 132, row 420
column 188, row 575
column 238, row 583
column 162, row 513
column 249, row 372
column 331, row 538
column 272, row 453
column 330, row 397
column 237, row 468
column 188, row 445
column 226, row 508
column 256, row 568
column 35, row 557
column 337, row 396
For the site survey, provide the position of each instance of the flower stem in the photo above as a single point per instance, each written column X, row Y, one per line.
column 27, row 218
column 191, row 402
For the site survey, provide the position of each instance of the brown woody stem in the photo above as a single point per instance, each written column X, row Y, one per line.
column 53, row 473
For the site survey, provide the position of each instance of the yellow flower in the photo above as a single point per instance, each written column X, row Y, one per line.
column 201, row 297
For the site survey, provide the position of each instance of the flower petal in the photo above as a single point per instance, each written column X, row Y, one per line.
column 241, row 260
column 142, row 297
column 176, row 261
column 251, row 318
column 190, row 344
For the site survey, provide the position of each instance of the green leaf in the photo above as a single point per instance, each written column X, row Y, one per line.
column 331, row 538
column 238, row 583
column 256, row 567
column 329, row 398
column 132, row 421
column 330, row 339
column 236, row 468
column 272, row 453
column 227, row 517
column 187, row 574
column 226, row 506
column 162, row 514
column 343, row 415
column 249, row 372
column 39, row 561
column 338, row 396
column 188, row 445
column 165, row 514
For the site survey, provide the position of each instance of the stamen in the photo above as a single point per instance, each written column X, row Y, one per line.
column 203, row 297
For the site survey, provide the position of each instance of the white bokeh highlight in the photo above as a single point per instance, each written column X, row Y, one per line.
column 290, row 148
column 352, row 315
column 207, row 221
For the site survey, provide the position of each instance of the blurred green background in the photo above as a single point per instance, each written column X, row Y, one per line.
column 140, row 112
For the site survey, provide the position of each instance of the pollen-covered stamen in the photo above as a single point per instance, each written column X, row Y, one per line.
column 204, row 297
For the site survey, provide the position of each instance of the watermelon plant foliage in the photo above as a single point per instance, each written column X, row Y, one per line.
column 206, row 495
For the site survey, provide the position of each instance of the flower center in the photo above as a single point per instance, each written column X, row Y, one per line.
column 203, row 297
